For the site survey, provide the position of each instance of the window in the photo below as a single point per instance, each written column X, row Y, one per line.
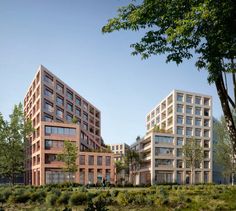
column 91, row 160
column 179, row 97
column 108, row 160
column 189, row 120
column 164, row 139
column 152, row 114
column 198, row 122
column 82, row 159
column 163, row 162
column 48, row 92
column 59, row 130
column 179, row 130
column 206, row 154
column 69, row 94
column 48, row 79
column 59, row 113
column 69, row 117
column 197, row 132
column 206, row 143
column 179, row 141
column 179, row 164
column 163, row 151
column 48, row 106
column 158, row 119
column 158, row 110
column 60, row 100
column 197, row 111
column 69, row 106
column 99, row 160
column 179, row 152
column 198, row 100
column 85, row 116
column 180, row 108
column 180, row 119
column 77, row 111
column 188, row 131
column 189, row 109
column 113, row 147
column 48, row 118
column 206, row 123
column 206, row 101
column 206, row 112
column 78, row 101
column 206, row 164
column 85, row 106
column 189, row 99
column 59, row 87
column 85, row 125
column 206, row 133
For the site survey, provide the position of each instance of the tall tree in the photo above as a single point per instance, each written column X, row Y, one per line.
column 119, row 166
column 225, row 156
column 13, row 136
column 192, row 154
column 180, row 28
column 69, row 156
column 132, row 163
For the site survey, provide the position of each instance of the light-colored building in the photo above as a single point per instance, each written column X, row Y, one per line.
column 59, row 113
column 119, row 150
column 180, row 116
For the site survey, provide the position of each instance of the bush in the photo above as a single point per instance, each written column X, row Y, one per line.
column 38, row 196
column 78, row 198
column 51, row 199
column 63, row 199
column 4, row 195
column 122, row 199
column 19, row 196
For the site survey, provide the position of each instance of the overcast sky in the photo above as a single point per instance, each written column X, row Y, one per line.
column 65, row 36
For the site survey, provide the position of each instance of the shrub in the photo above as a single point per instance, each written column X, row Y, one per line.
column 122, row 199
column 38, row 196
column 4, row 195
column 114, row 193
column 64, row 198
column 78, row 198
column 19, row 196
column 51, row 199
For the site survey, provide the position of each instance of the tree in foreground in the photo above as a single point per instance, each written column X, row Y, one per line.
column 69, row 156
column 119, row 166
column 132, row 163
column 193, row 155
column 13, row 135
column 225, row 156
column 180, row 28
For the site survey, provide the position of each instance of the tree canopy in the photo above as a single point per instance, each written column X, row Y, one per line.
column 13, row 136
column 183, row 28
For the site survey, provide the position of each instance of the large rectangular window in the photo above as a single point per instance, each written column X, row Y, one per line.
column 180, row 108
column 180, row 120
column 91, row 160
column 164, row 139
column 69, row 94
column 59, row 130
column 99, row 160
column 163, row 162
column 163, row 151
column 60, row 100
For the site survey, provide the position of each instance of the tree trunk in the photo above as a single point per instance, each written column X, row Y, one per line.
column 226, row 110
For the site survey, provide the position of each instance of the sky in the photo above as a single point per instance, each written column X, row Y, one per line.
column 65, row 37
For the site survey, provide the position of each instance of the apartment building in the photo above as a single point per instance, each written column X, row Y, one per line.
column 59, row 113
column 119, row 150
column 176, row 119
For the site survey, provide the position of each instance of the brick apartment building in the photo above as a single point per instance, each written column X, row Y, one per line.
column 53, row 107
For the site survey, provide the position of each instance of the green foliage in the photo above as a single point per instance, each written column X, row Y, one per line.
column 51, row 199
column 13, row 139
column 78, row 198
column 64, row 198
column 223, row 149
column 193, row 154
column 122, row 199
column 69, row 157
